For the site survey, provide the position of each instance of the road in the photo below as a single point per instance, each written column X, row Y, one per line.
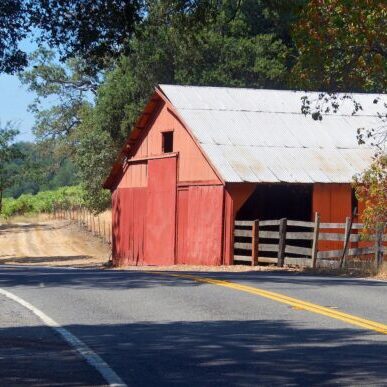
column 160, row 330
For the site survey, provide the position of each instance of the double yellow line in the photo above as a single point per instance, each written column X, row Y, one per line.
column 294, row 302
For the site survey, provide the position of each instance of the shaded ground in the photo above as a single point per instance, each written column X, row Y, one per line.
column 156, row 330
column 32, row 354
column 50, row 243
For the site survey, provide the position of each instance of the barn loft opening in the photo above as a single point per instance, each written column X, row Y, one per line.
column 276, row 201
column 167, row 142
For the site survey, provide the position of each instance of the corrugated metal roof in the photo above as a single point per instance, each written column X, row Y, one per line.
column 260, row 135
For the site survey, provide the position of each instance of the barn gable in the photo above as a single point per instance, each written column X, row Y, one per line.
column 148, row 143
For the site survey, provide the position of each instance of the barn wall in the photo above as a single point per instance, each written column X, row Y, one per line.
column 151, row 180
column 136, row 175
column 334, row 203
column 235, row 196
column 192, row 164
column 128, row 225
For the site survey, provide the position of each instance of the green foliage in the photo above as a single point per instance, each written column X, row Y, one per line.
column 229, row 44
column 371, row 188
column 44, row 201
column 95, row 30
column 95, row 155
column 342, row 46
column 8, row 152
column 37, row 171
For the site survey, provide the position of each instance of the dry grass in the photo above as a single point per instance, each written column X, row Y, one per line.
column 214, row 269
column 360, row 268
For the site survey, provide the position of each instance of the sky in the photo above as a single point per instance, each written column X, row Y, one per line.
column 14, row 101
column 15, row 98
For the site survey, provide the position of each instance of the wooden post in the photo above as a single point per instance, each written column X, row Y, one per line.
column 379, row 246
column 99, row 226
column 316, row 232
column 347, row 236
column 282, row 242
column 255, row 243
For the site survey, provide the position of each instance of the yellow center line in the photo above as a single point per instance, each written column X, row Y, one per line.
column 294, row 302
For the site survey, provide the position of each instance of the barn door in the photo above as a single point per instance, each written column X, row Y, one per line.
column 161, row 212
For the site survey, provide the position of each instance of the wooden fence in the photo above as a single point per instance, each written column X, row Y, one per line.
column 93, row 223
column 296, row 242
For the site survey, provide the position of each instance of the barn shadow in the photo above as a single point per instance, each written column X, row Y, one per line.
column 88, row 278
column 203, row 353
column 60, row 259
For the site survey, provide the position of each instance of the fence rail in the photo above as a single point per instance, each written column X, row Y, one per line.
column 95, row 224
column 297, row 242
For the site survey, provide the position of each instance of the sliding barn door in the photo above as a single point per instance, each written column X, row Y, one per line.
column 161, row 212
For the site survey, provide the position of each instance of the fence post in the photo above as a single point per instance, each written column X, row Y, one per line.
column 316, row 232
column 347, row 237
column 255, row 243
column 379, row 246
column 282, row 242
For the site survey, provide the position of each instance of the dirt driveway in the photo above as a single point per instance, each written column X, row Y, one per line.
column 50, row 243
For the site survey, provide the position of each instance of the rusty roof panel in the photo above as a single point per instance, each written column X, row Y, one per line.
column 261, row 136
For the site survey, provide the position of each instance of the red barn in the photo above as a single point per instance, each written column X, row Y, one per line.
column 201, row 157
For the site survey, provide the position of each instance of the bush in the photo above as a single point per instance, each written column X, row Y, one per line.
column 45, row 201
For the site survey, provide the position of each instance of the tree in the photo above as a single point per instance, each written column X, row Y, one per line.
column 342, row 47
column 97, row 31
column 371, row 188
column 223, row 43
column 38, row 170
column 13, row 29
column 8, row 152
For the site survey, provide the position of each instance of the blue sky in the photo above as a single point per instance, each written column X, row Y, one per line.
column 15, row 98
column 14, row 101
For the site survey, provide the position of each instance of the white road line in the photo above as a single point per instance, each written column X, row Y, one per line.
column 87, row 353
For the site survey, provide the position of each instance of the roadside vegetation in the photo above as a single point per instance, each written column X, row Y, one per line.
column 43, row 202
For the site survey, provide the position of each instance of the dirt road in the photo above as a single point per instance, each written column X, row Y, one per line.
column 49, row 243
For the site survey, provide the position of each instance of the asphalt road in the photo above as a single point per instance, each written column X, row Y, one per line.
column 157, row 330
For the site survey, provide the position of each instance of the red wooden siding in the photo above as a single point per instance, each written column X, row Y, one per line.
column 161, row 212
column 182, row 225
column 334, row 203
column 136, row 175
column 235, row 196
column 129, row 207
column 200, row 225
column 192, row 164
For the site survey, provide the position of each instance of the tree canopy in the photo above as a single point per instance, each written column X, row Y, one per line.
column 8, row 152
column 112, row 54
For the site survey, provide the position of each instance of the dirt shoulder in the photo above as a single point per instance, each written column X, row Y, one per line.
column 43, row 242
